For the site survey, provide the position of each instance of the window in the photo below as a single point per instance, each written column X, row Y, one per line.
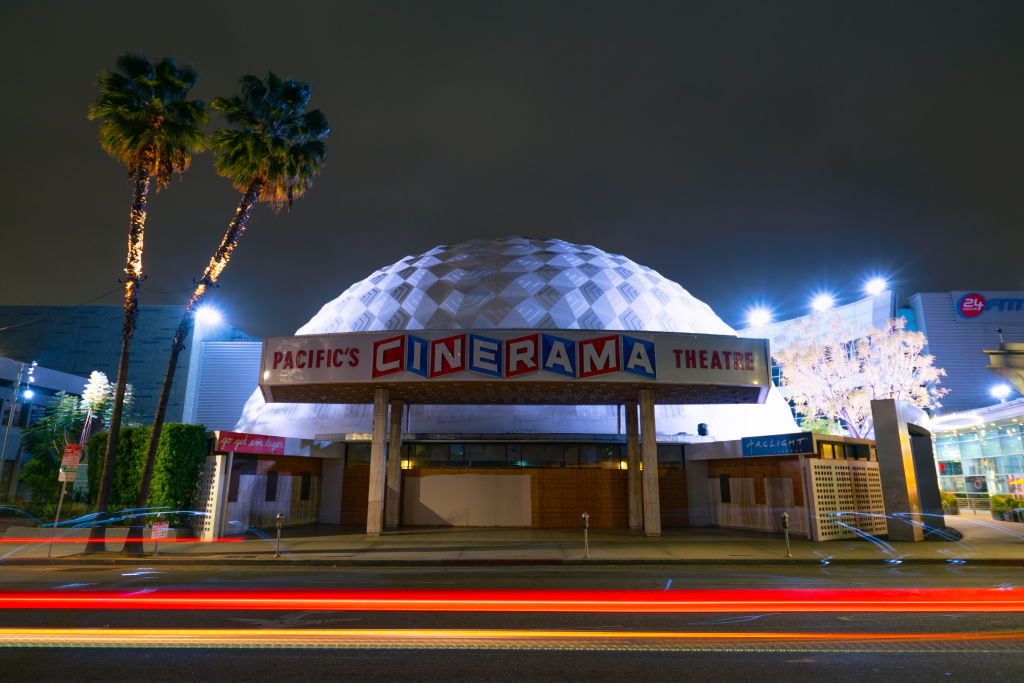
column 723, row 484
column 236, row 477
column 670, row 456
column 542, row 455
column 429, row 455
column 304, row 488
column 271, row 487
column 357, row 455
column 485, row 454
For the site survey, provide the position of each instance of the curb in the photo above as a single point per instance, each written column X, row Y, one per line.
column 505, row 562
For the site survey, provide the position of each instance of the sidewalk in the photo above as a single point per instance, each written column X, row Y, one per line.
column 984, row 542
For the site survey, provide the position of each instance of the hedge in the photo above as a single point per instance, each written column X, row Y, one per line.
column 1003, row 507
column 180, row 456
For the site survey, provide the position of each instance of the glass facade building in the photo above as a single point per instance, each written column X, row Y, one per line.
column 984, row 455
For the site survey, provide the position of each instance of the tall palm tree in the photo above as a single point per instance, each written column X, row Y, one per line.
column 271, row 155
column 148, row 124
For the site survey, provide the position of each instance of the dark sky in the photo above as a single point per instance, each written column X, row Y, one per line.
column 748, row 150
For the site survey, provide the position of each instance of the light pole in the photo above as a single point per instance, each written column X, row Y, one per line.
column 10, row 417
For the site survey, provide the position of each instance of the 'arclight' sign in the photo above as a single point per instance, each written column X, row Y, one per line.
column 514, row 356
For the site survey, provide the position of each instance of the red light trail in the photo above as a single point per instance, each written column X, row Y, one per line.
column 44, row 540
column 594, row 601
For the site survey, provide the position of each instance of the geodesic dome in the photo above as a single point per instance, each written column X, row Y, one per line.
column 515, row 283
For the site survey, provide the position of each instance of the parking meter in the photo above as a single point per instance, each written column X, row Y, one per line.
column 280, row 523
column 586, row 538
column 785, row 530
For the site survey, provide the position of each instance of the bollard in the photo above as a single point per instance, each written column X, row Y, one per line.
column 785, row 529
column 280, row 523
column 156, row 543
column 586, row 538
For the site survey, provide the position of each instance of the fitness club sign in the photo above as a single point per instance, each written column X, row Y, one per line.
column 515, row 355
column 995, row 306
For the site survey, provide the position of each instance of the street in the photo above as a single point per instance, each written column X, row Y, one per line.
column 236, row 643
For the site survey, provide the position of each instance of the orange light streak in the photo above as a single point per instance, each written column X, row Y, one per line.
column 451, row 637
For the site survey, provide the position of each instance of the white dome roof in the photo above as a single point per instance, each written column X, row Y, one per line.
column 515, row 283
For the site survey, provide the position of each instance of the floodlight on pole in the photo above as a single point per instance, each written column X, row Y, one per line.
column 759, row 316
column 208, row 315
column 876, row 285
column 823, row 302
column 1000, row 391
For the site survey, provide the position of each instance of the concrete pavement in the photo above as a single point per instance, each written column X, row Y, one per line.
column 984, row 541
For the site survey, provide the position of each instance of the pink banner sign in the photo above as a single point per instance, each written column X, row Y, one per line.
column 250, row 443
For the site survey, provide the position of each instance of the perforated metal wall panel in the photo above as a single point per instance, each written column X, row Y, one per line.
column 846, row 499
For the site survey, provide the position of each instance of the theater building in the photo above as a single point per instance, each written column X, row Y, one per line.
column 503, row 382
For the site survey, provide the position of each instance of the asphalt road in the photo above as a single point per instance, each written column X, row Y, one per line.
column 332, row 645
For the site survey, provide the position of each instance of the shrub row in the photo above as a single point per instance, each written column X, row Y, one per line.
column 179, row 462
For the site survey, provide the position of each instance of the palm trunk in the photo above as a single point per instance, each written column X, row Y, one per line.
column 236, row 228
column 133, row 272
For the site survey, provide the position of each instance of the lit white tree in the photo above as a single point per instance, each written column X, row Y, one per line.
column 96, row 398
column 833, row 373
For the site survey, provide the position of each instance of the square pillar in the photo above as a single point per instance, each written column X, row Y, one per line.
column 633, row 485
column 649, row 456
column 906, row 495
column 393, row 495
column 378, row 452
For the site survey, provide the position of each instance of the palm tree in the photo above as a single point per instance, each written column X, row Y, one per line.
column 147, row 124
column 271, row 155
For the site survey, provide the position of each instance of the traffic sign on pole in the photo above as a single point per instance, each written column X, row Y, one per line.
column 69, row 464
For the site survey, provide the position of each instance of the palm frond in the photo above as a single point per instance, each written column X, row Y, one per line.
column 273, row 139
column 146, row 116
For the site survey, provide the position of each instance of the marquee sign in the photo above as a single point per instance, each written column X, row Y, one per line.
column 501, row 357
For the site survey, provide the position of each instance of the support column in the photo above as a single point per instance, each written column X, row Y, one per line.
column 378, row 451
column 393, row 494
column 649, row 456
column 221, row 487
column 633, row 486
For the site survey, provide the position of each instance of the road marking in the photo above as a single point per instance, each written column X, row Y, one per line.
column 513, row 639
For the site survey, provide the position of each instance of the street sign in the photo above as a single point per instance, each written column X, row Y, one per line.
column 69, row 464
column 160, row 530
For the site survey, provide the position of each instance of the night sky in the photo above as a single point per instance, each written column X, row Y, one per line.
column 751, row 151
